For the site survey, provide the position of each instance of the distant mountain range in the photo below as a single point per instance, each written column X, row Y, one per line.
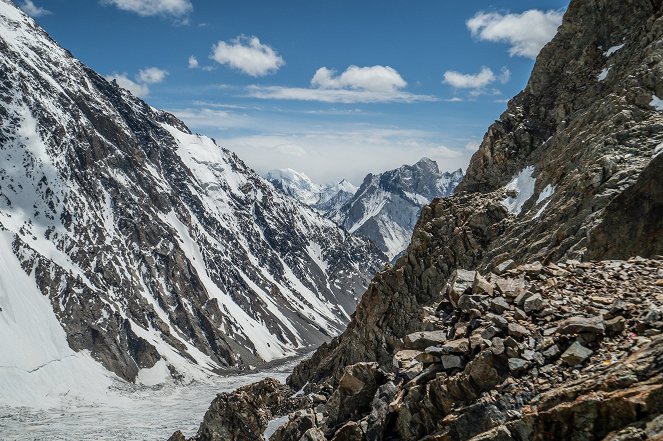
column 386, row 206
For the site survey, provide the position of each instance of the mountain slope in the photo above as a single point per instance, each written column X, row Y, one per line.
column 325, row 199
column 387, row 205
column 158, row 250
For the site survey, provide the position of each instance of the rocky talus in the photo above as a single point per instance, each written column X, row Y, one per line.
column 560, row 351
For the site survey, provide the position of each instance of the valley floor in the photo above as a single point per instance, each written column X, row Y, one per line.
column 139, row 413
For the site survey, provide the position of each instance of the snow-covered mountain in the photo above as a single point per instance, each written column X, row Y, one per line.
column 128, row 241
column 386, row 207
column 325, row 199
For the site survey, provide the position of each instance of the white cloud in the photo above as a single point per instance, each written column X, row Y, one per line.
column 193, row 62
column 505, row 75
column 335, row 95
column 151, row 75
column 146, row 8
column 33, row 10
column 371, row 78
column 248, row 55
column 469, row 81
column 371, row 84
column 526, row 33
column 138, row 90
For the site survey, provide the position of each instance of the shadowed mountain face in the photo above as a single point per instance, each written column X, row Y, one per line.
column 154, row 245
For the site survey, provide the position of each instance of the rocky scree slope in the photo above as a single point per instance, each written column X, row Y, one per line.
column 155, row 248
column 563, row 351
column 570, row 172
column 387, row 205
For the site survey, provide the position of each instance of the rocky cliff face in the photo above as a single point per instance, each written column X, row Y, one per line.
column 156, row 248
column 387, row 205
column 536, row 344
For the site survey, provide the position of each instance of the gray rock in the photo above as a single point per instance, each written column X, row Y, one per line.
column 533, row 303
column 576, row 354
column 518, row 364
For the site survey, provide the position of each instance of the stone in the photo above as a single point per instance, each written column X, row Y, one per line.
column 505, row 266
column 517, row 331
column 517, row 364
column 355, row 391
column 498, row 346
column 498, row 321
column 498, row 305
column 576, row 354
column 551, row 352
column 451, row 361
column 483, row 372
column 405, row 358
column 578, row 325
column 533, row 269
column 177, row 436
column 615, row 325
column 482, row 286
column 510, row 287
column 467, row 303
column 461, row 282
column 459, row 346
column 533, row 303
column 422, row 340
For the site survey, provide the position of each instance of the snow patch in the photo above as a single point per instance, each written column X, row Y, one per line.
column 523, row 183
column 157, row 374
column 658, row 150
column 604, row 74
column 273, row 425
column 656, row 103
column 612, row 50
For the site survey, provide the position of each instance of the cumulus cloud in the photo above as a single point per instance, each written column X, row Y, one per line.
column 193, row 62
column 248, row 55
column 526, row 33
column 33, row 10
column 145, row 8
column 469, row 81
column 372, row 78
column 151, row 75
column 477, row 83
column 123, row 80
column 371, row 84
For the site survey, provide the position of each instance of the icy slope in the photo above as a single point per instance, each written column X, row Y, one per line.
column 160, row 253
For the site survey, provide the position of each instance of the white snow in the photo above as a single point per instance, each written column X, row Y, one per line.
column 37, row 366
column 157, row 374
column 658, row 150
column 656, row 103
column 523, row 183
column 604, row 74
column 273, row 425
column 545, row 194
column 612, row 50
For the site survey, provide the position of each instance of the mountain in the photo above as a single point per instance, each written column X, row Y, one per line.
column 325, row 199
column 496, row 324
column 387, row 205
column 142, row 246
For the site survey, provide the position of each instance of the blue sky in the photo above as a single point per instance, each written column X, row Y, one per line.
column 336, row 89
